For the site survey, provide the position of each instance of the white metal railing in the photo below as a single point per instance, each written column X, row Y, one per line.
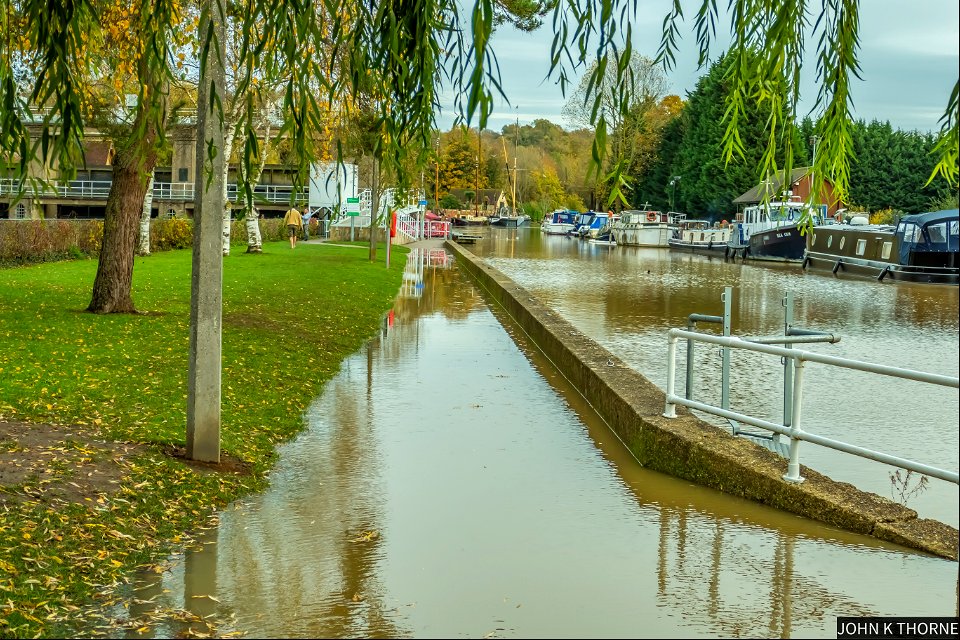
column 794, row 431
column 100, row 189
column 93, row 189
column 408, row 225
column 173, row 190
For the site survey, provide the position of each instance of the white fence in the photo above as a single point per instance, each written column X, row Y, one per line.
column 794, row 430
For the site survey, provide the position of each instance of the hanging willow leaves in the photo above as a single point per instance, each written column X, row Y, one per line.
column 399, row 56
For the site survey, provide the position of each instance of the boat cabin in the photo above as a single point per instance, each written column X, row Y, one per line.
column 929, row 239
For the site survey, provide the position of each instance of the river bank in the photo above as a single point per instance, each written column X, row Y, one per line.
column 93, row 482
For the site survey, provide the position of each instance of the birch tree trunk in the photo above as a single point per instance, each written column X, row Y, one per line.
column 251, row 215
column 254, row 242
column 144, row 248
column 227, row 210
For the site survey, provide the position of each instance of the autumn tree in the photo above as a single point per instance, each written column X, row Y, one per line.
column 133, row 51
column 413, row 49
column 624, row 95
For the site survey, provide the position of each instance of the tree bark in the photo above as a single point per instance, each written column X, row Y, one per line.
column 374, row 210
column 251, row 215
column 227, row 210
column 133, row 165
column 144, row 248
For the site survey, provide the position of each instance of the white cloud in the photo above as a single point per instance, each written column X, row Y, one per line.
column 909, row 58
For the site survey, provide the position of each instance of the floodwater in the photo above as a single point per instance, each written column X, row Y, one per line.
column 627, row 298
column 450, row 484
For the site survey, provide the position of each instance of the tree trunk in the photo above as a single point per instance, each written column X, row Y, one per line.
column 374, row 209
column 144, row 248
column 251, row 215
column 227, row 209
column 133, row 164
column 254, row 242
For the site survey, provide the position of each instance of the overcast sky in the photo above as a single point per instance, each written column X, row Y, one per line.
column 908, row 56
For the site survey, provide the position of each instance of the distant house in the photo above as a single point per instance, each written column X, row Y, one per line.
column 85, row 196
column 798, row 188
column 491, row 200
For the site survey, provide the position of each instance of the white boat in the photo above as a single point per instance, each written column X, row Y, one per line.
column 510, row 221
column 646, row 228
column 560, row 222
column 599, row 221
column 701, row 236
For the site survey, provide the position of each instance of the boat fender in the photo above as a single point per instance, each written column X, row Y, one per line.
column 837, row 266
column 651, row 216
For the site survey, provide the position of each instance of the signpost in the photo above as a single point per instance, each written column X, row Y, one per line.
column 353, row 210
column 422, row 226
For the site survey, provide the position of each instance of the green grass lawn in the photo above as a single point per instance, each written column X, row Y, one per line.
column 290, row 317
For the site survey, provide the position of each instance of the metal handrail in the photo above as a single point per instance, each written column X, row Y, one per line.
column 100, row 190
column 794, row 430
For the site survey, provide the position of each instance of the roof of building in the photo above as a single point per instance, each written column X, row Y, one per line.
column 98, row 153
column 771, row 188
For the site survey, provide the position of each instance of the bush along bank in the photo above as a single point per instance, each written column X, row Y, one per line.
column 34, row 241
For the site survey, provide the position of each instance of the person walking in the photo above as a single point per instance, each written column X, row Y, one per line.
column 306, row 223
column 293, row 220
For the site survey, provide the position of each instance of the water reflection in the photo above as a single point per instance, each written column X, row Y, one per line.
column 450, row 483
column 627, row 298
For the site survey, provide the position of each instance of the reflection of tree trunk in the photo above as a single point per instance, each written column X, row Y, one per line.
column 133, row 163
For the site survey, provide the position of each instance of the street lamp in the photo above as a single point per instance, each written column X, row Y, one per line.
column 673, row 190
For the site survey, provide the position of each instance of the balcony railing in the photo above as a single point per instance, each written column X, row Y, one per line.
column 100, row 189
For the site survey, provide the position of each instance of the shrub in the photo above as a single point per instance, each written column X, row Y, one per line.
column 30, row 241
column 171, row 233
column 886, row 216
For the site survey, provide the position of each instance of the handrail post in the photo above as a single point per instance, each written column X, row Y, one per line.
column 670, row 409
column 725, row 359
column 787, row 365
column 793, row 466
column 688, row 389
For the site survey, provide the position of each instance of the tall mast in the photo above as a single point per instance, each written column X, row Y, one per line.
column 477, row 189
column 516, row 148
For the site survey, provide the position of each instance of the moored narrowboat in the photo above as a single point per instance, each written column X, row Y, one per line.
column 701, row 236
column 919, row 248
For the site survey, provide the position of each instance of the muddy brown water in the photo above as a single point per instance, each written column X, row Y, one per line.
column 449, row 483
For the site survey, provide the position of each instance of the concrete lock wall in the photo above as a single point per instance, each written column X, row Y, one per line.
column 690, row 448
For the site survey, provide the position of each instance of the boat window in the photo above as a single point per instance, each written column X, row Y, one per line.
column 911, row 232
column 885, row 250
column 861, row 246
column 829, row 241
column 840, row 248
column 937, row 232
column 813, row 240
